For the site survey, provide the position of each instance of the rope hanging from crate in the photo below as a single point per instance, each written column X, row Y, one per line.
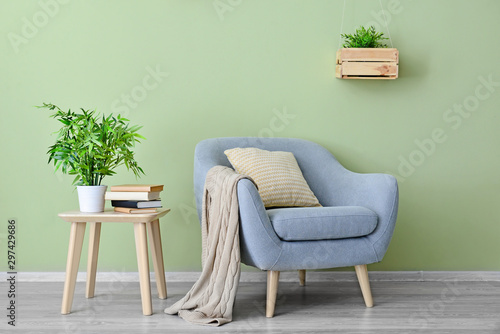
column 385, row 19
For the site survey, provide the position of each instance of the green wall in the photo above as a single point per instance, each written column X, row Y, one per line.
column 228, row 68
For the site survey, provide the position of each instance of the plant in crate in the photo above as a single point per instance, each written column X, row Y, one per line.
column 364, row 38
column 365, row 56
column 91, row 147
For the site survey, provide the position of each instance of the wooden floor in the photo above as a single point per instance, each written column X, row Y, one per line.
column 319, row 307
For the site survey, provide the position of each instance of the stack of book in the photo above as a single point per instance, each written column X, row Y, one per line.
column 135, row 198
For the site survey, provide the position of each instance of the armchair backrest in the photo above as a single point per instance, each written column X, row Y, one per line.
column 315, row 162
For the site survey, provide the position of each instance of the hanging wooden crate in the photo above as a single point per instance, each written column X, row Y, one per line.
column 367, row 63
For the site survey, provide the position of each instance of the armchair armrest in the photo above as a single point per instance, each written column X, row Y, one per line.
column 377, row 192
column 260, row 246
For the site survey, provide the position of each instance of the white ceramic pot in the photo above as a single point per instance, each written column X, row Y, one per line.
column 91, row 198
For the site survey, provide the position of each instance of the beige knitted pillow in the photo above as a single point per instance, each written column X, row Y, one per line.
column 276, row 174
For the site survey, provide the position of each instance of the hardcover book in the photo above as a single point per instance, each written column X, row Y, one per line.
column 132, row 195
column 131, row 210
column 137, row 204
column 138, row 187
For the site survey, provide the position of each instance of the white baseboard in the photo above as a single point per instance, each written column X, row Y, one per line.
column 289, row 276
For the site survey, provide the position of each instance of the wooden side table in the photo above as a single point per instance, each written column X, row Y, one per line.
column 142, row 222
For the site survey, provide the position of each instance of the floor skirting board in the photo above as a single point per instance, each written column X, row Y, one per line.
column 288, row 276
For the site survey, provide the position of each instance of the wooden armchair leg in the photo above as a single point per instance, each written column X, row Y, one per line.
column 302, row 277
column 364, row 283
column 272, row 290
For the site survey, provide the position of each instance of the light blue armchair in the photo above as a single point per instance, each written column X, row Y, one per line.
column 353, row 228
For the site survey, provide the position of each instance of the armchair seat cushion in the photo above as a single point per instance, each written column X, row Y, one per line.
column 335, row 222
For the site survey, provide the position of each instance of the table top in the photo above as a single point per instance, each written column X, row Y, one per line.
column 110, row 216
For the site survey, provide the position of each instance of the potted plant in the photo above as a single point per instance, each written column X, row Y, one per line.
column 91, row 147
column 365, row 56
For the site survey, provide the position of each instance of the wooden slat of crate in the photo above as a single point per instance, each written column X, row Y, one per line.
column 338, row 71
column 339, row 74
column 369, row 69
column 339, row 56
column 370, row 78
column 367, row 54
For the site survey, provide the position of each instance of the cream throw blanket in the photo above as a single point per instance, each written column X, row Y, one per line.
column 210, row 301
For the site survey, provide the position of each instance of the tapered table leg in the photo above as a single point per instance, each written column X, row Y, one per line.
column 141, row 245
column 157, row 255
column 74, row 251
column 94, row 237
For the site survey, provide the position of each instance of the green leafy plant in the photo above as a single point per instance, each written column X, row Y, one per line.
column 91, row 147
column 364, row 38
